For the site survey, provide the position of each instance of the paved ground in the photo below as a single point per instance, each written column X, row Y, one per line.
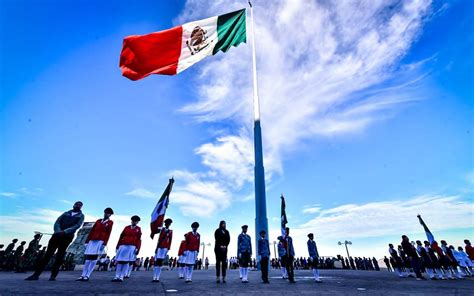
column 336, row 282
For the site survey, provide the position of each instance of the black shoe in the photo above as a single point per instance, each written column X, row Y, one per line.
column 80, row 279
column 53, row 278
column 292, row 282
column 155, row 281
column 85, row 279
column 117, row 280
column 32, row 278
column 218, row 281
column 223, row 281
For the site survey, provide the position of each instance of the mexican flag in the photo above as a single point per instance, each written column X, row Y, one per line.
column 171, row 51
column 158, row 214
column 428, row 233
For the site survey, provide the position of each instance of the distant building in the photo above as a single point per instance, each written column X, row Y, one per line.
column 77, row 247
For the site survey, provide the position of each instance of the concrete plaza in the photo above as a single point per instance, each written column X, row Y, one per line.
column 336, row 282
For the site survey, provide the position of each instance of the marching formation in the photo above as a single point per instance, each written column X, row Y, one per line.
column 438, row 262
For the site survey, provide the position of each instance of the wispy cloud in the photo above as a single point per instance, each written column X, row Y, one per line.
column 198, row 196
column 311, row 210
column 392, row 217
column 64, row 201
column 142, row 193
column 8, row 194
column 325, row 69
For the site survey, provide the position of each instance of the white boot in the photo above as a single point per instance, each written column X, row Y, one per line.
column 85, row 268
column 317, row 279
column 91, row 267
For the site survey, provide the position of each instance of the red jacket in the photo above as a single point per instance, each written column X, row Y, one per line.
column 130, row 236
column 192, row 241
column 470, row 252
column 101, row 231
column 182, row 248
column 166, row 236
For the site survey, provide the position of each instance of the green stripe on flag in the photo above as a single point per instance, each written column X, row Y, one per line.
column 230, row 30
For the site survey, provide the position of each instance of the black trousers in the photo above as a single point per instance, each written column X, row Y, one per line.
column 289, row 268
column 415, row 264
column 59, row 243
column 221, row 262
column 314, row 262
column 244, row 259
column 264, row 268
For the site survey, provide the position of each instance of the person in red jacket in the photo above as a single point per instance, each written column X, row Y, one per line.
column 193, row 241
column 164, row 244
column 181, row 265
column 469, row 249
column 127, row 249
column 96, row 242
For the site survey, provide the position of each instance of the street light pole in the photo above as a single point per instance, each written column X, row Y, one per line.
column 274, row 249
column 204, row 249
column 347, row 250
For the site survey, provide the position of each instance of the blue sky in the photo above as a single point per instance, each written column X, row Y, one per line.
column 367, row 115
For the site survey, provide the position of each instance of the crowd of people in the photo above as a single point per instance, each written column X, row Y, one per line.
column 18, row 259
column 438, row 262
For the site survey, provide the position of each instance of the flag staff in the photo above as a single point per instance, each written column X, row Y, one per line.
column 261, row 221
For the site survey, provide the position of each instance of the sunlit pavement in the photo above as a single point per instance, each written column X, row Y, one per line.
column 335, row 282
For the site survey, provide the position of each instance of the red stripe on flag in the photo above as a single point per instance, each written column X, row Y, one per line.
column 155, row 53
column 155, row 224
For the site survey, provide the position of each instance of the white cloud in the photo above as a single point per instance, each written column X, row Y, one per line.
column 23, row 191
column 198, row 196
column 325, row 69
column 68, row 202
column 8, row 194
column 142, row 192
column 392, row 217
column 311, row 210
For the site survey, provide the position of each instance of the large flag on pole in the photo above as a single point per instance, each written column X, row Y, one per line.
column 284, row 221
column 429, row 235
column 171, row 51
column 158, row 214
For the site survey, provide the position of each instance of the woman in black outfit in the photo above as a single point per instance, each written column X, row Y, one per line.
column 220, row 249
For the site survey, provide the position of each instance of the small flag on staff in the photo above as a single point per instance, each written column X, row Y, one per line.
column 284, row 221
column 158, row 214
column 429, row 235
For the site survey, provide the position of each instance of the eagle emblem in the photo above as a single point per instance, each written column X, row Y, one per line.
column 198, row 40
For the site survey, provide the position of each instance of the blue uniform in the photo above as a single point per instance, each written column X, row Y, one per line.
column 291, row 250
column 244, row 244
column 244, row 249
column 281, row 250
column 312, row 249
column 263, row 248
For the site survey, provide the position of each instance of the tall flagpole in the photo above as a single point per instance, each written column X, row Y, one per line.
column 261, row 221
